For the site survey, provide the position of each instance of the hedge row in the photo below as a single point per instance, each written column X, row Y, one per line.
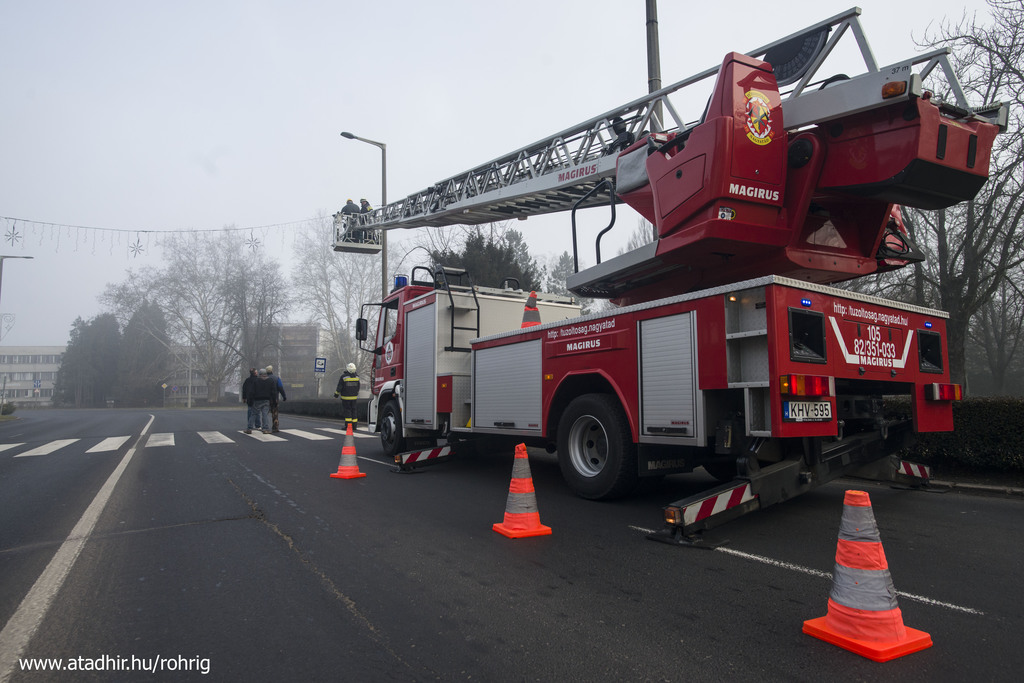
column 321, row 407
column 988, row 435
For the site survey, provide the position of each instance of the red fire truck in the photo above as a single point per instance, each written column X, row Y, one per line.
column 728, row 348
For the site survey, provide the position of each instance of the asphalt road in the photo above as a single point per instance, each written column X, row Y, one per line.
column 243, row 559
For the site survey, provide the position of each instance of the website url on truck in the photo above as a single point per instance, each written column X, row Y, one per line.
column 155, row 664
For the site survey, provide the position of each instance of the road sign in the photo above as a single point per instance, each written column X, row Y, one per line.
column 320, row 365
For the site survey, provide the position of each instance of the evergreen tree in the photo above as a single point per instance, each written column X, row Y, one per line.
column 492, row 258
column 88, row 371
column 145, row 357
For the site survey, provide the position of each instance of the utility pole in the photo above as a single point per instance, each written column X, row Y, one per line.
column 653, row 57
column 654, row 71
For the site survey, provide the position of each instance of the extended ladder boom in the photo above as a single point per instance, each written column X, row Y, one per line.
column 552, row 174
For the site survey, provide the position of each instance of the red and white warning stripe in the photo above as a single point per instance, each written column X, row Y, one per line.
column 912, row 469
column 423, row 456
column 702, row 509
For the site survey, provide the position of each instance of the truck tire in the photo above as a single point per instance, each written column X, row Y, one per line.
column 596, row 452
column 392, row 439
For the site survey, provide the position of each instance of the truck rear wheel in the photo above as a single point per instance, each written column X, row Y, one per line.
column 391, row 438
column 596, row 452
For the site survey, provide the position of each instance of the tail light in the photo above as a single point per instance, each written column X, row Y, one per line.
column 807, row 385
column 943, row 392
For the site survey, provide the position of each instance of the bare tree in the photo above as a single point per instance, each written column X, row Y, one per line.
column 221, row 304
column 332, row 287
column 257, row 300
column 191, row 291
column 998, row 335
column 643, row 233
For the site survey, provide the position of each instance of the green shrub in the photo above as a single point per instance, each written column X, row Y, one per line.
column 7, row 409
column 988, row 434
column 321, row 407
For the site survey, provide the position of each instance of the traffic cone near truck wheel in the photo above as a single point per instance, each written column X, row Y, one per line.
column 531, row 316
column 348, row 468
column 862, row 613
column 522, row 518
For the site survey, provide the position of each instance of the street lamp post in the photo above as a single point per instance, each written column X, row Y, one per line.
column 383, row 203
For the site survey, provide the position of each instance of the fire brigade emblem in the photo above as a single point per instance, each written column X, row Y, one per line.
column 759, row 119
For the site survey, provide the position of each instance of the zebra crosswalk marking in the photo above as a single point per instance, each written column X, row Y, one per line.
column 260, row 436
column 47, row 448
column 306, row 435
column 358, row 435
column 155, row 440
column 111, row 443
column 215, row 437
column 160, row 439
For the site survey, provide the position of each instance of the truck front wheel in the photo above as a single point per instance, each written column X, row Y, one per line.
column 596, row 452
column 391, row 437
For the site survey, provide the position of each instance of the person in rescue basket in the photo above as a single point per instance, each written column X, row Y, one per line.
column 278, row 389
column 348, row 391
column 350, row 209
column 263, row 390
column 252, row 416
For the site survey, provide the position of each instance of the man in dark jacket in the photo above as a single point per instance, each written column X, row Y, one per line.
column 264, row 389
column 253, row 417
column 348, row 391
column 278, row 389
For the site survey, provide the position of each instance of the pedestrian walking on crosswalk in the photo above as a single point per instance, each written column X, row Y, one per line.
column 264, row 389
column 278, row 389
column 252, row 415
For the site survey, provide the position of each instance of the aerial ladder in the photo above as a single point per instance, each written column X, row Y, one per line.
column 793, row 208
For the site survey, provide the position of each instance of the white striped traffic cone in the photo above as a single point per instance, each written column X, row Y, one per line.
column 522, row 518
column 348, row 468
column 531, row 316
column 862, row 613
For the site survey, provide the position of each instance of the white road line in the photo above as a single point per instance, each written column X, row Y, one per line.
column 306, row 435
column 215, row 437
column 357, row 434
column 48, row 448
column 111, row 443
column 260, row 436
column 24, row 623
column 826, row 575
column 161, row 439
column 7, row 446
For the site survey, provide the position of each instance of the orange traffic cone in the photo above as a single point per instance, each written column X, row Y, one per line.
column 862, row 613
column 531, row 316
column 348, row 468
column 521, row 516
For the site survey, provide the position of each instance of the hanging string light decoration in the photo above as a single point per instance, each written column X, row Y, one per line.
column 19, row 228
column 136, row 248
column 253, row 242
column 13, row 236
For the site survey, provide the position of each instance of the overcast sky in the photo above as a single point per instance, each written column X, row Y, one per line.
column 124, row 123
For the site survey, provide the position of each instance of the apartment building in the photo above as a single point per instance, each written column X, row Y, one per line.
column 27, row 374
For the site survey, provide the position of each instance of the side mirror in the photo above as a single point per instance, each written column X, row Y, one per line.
column 361, row 327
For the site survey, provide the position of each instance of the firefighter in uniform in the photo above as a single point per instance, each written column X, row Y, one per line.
column 348, row 390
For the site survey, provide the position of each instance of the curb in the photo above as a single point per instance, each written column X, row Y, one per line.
column 987, row 489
